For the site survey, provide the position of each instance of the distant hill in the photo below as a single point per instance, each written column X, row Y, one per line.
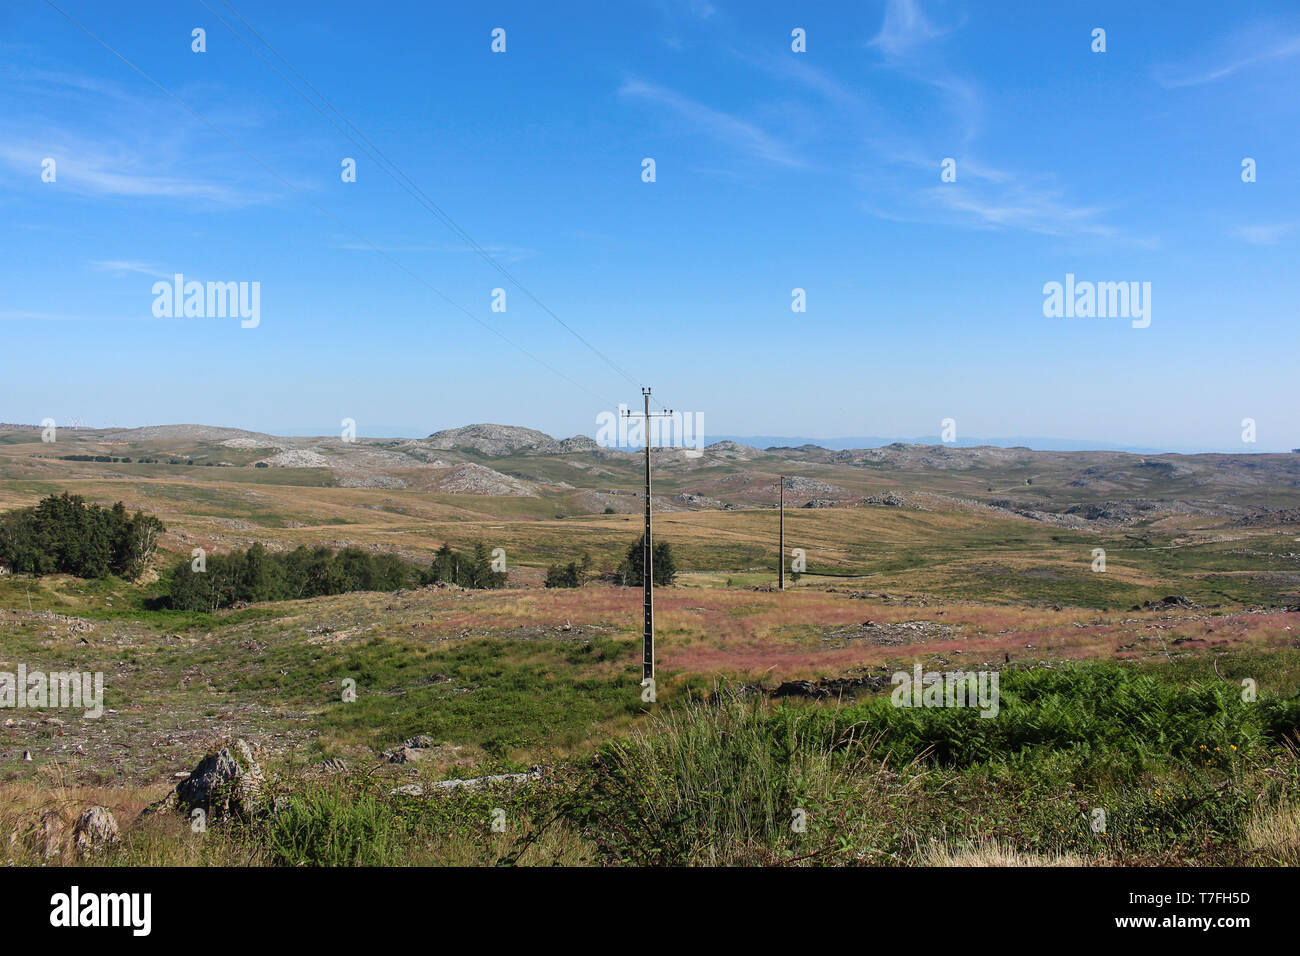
column 506, row 440
column 500, row 440
column 530, row 473
column 184, row 433
column 1037, row 444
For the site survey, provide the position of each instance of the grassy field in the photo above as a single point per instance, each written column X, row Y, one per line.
column 1090, row 765
column 1107, row 703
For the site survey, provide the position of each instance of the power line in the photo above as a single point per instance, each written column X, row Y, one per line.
column 781, row 575
column 212, row 126
column 394, row 172
column 647, row 559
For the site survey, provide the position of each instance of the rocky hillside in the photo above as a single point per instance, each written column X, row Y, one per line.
column 506, row 440
column 545, row 475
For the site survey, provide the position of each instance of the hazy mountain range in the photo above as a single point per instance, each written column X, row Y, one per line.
column 1037, row 443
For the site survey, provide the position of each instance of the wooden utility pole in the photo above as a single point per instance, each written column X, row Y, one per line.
column 782, row 575
column 647, row 555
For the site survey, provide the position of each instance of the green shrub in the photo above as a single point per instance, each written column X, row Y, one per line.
column 1099, row 712
column 717, row 783
column 320, row 826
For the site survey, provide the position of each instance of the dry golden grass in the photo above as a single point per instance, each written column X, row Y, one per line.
column 1274, row 833
column 987, row 852
column 37, row 817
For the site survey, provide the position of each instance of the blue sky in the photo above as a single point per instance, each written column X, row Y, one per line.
column 775, row 170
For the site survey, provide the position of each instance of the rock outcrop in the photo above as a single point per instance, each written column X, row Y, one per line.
column 226, row 784
column 96, row 830
column 472, row 479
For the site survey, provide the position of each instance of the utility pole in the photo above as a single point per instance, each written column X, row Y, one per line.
column 647, row 555
column 782, row 575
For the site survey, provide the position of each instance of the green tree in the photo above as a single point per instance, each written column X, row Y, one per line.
column 481, row 574
column 632, row 570
column 467, row 570
column 563, row 576
column 262, row 579
column 444, row 565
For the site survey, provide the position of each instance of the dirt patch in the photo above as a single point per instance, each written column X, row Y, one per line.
column 895, row 634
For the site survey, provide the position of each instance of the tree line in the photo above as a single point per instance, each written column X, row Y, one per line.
column 64, row 535
column 630, row 573
column 256, row 574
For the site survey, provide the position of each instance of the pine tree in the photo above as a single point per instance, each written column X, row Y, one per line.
column 632, row 570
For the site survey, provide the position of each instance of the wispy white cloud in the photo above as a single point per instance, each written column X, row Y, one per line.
column 501, row 252
column 985, row 196
column 908, row 153
column 797, row 71
column 1034, row 210
column 905, row 29
column 1263, row 234
column 972, row 168
column 111, row 140
column 1255, row 46
column 998, row 201
column 124, row 267
column 740, row 134
column 83, row 168
column 906, row 44
column 687, row 16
